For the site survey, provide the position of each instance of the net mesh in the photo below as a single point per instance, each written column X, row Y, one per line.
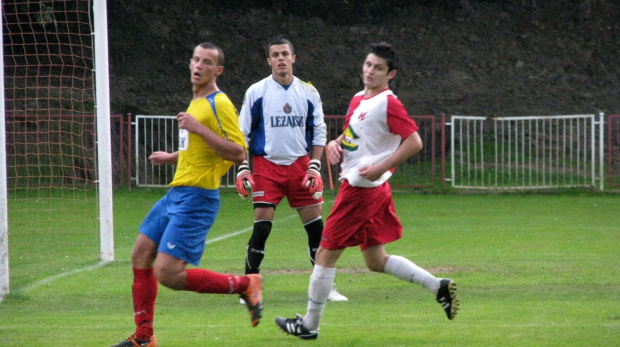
column 50, row 133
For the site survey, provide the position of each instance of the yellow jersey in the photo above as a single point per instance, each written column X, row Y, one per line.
column 198, row 165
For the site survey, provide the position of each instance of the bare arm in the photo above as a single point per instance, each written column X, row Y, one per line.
column 334, row 150
column 163, row 158
column 316, row 152
column 224, row 148
column 409, row 147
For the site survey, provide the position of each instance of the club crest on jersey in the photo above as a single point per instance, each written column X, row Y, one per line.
column 349, row 135
column 287, row 108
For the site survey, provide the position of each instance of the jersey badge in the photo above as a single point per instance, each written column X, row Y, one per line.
column 287, row 108
column 349, row 135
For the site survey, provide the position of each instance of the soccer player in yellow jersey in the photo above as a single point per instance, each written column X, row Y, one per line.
column 173, row 234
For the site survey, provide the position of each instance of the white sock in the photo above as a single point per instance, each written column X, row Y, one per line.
column 406, row 270
column 321, row 282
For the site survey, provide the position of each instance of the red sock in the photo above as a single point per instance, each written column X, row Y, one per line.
column 144, row 292
column 205, row 281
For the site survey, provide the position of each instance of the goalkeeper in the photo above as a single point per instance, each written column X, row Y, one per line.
column 282, row 120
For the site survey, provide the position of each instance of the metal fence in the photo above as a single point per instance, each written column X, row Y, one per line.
column 489, row 153
column 531, row 152
column 154, row 133
column 160, row 133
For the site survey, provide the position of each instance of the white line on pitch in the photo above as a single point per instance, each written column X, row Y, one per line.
column 102, row 263
column 60, row 275
column 242, row 231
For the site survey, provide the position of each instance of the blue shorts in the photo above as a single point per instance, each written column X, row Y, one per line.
column 180, row 221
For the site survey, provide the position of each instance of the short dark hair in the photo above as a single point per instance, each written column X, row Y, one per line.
column 279, row 40
column 220, row 52
column 387, row 52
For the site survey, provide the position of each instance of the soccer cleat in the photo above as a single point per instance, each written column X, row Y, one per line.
column 334, row 295
column 295, row 327
column 446, row 297
column 133, row 341
column 253, row 297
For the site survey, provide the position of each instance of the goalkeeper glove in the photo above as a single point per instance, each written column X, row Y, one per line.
column 245, row 181
column 313, row 179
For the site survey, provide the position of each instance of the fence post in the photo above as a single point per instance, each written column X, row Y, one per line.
column 129, row 154
column 601, row 150
column 443, row 151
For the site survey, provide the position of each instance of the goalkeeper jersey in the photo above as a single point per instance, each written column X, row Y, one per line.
column 374, row 128
column 282, row 123
column 198, row 165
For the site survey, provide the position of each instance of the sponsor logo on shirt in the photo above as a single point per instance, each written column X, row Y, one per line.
column 287, row 121
column 349, row 136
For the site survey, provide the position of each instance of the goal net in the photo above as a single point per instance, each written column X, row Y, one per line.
column 51, row 140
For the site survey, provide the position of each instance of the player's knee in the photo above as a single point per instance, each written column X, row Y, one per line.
column 143, row 253
column 375, row 264
column 170, row 278
column 142, row 258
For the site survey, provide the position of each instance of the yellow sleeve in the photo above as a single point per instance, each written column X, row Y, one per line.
column 228, row 117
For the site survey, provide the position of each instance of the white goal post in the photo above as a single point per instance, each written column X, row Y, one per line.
column 96, row 23
column 4, row 213
column 104, row 138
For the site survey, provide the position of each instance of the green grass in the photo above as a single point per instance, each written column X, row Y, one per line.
column 532, row 270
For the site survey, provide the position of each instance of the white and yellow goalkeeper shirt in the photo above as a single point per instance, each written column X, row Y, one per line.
column 282, row 123
column 374, row 128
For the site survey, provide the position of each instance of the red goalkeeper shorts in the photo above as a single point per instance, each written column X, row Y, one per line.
column 273, row 182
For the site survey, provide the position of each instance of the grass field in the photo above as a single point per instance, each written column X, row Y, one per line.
column 532, row 270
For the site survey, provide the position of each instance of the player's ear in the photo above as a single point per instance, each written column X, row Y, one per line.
column 391, row 74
